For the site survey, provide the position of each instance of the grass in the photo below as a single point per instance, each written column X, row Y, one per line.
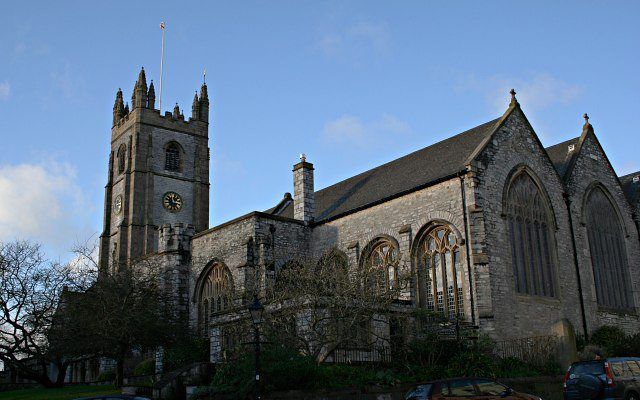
column 64, row 393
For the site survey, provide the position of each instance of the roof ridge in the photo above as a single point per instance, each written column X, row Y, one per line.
column 450, row 138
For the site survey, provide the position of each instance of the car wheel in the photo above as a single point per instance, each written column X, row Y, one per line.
column 632, row 396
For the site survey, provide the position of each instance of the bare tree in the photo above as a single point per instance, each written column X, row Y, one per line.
column 323, row 306
column 127, row 308
column 33, row 335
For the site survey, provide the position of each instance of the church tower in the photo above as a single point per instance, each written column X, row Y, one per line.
column 158, row 174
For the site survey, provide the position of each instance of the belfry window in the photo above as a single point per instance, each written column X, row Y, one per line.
column 172, row 157
column 608, row 252
column 529, row 223
column 383, row 260
column 215, row 294
column 440, row 269
column 122, row 153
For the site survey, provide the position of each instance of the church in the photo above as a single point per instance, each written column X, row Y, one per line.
column 513, row 236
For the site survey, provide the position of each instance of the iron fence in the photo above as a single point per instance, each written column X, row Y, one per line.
column 536, row 350
column 360, row 356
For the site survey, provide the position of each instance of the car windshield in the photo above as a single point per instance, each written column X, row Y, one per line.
column 419, row 392
column 591, row 368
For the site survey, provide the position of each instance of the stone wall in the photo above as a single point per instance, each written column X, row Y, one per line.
column 504, row 313
column 592, row 167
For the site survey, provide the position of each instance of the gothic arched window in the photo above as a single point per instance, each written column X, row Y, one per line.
column 172, row 157
column 382, row 260
column 608, row 252
column 441, row 271
column 122, row 153
column 215, row 293
column 530, row 225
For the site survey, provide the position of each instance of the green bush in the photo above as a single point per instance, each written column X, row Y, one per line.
column 145, row 367
column 185, row 352
column 472, row 363
column 106, row 376
column 615, row 342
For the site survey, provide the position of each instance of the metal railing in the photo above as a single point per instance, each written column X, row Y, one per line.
column 360, row 356
column 536, row 350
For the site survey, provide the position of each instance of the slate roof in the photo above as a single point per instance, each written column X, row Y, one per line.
column 560, row 156
column 403, row 175
column 631, row 189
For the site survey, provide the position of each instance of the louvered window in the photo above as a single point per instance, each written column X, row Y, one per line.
column 122, row 153
column 172, row 158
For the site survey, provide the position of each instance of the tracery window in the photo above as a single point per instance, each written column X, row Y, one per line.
column 530, row 224
column 122, row 152
column 215, row 294
column 383, row 259
column 172, row 157
column 441, row 270
column 608, row 252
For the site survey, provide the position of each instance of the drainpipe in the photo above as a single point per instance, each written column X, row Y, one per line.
column 467, row 246
column 567, row 201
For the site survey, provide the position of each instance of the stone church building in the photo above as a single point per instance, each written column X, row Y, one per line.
column 513, row 236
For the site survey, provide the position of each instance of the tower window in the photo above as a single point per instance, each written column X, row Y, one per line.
column 122, row 152
column 172, row 157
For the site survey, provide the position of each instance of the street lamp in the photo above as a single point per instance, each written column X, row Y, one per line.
column 256, row 310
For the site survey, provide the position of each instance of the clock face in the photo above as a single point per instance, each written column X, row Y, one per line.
column 117, row 205
column 172, row 201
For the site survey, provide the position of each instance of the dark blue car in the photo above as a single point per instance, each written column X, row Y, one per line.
column 609, row 378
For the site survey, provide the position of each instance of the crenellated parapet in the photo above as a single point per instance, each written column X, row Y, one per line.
column 143, row 100
column 175, row 237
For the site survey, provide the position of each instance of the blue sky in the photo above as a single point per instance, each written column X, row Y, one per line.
column 352, row 84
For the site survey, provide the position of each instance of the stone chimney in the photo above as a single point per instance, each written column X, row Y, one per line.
column 304, row 205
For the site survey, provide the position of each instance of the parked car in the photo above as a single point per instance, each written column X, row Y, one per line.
column 114, row 397
column 609, row 378
column 465, row 388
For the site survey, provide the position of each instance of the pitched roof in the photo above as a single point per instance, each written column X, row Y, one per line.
column 403, row 175
column 631, row 189
column 560, row 155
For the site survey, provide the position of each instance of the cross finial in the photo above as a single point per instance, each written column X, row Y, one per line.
column 514, row 101
column 586, row 118
column 303, row 157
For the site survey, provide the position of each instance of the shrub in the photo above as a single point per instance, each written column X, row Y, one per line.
column 472, row 363
column 611, row 338
column 106, row 376
column 145, row 367
column 185, row 352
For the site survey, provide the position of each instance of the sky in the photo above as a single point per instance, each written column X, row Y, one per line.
column 353, row 84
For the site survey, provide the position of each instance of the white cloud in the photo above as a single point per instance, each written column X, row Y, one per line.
column 357, row 40
column 349, row 129
column 69, row 82
column 346, row 128
column 535, row 93
column 5, row 90
column 41, row 202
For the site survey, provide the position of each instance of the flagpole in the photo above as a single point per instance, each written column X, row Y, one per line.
column 162, row 26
